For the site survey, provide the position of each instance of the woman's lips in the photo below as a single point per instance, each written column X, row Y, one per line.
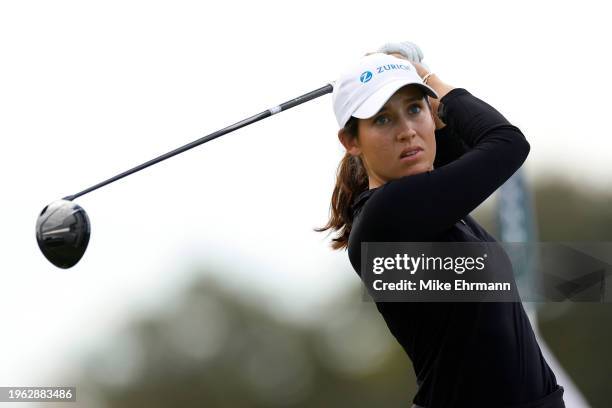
column 412, row 156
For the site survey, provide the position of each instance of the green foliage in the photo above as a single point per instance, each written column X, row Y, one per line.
column 578, row 333
column 216, row 349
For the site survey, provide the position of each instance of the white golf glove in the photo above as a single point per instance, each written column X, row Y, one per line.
column 408, row 49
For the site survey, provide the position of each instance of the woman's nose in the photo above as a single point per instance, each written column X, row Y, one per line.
column 405, row 130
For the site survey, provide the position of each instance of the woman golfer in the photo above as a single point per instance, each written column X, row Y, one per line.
column 413, row 171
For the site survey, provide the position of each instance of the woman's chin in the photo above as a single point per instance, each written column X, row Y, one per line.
column 417, row 169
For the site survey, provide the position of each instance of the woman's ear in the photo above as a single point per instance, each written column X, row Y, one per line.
column 351, row 144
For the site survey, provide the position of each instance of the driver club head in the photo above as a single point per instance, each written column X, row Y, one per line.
column 62, row 232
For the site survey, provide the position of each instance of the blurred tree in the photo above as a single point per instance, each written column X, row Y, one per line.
column 578, row 333
column 216, row 349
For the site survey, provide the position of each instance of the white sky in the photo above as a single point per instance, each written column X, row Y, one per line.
column 90, row 89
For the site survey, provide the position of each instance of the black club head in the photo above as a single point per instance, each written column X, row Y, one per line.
column 62, row 232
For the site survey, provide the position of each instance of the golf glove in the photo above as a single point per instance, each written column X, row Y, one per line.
column 407, row 49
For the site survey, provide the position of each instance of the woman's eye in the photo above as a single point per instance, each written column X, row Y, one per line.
column 415, row 108
column 381, row 120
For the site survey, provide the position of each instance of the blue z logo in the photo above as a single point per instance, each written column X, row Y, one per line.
column 365, row 77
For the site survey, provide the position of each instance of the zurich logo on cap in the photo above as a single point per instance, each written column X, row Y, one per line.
column 365, row 77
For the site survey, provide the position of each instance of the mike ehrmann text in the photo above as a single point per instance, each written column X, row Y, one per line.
column 436, row 285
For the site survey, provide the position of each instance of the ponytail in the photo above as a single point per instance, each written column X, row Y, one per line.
column 351, row 180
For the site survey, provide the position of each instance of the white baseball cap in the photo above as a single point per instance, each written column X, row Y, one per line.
column 363, row 89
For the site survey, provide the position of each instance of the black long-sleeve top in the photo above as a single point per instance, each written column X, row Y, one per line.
column 465, row 354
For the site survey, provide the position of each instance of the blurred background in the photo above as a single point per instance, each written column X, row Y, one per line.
column 204, row 283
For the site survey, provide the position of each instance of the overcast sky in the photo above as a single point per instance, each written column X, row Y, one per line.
column 90, row 89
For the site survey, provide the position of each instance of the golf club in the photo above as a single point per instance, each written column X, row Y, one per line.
column 63, row 227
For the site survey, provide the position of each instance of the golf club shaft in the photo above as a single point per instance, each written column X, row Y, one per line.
column 267, row 113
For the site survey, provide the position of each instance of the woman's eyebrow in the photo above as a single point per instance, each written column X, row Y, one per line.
column 413, row 98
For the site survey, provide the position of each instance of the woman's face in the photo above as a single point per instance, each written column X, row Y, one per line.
column 404, row 123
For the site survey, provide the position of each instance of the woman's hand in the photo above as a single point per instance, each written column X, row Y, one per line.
column 421, row 70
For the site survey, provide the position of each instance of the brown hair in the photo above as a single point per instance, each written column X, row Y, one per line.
column 351, row 180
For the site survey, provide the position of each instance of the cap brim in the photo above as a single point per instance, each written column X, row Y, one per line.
column 374, row 103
